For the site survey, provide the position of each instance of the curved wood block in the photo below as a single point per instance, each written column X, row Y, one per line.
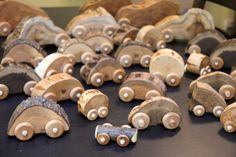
column 227, row 118
column 47, row 112
column 139, row 14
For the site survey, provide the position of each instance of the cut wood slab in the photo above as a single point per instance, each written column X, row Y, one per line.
column 227, row 118
column 37, row 115
column 157, row 110
column 139, row 15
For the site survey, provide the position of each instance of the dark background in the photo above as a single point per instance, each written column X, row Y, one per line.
column 196, row 137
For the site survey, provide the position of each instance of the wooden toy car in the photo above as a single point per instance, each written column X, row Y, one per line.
column 152, row 36
column 78, row 50
column 53, row 64
column 233, row 72
column 220, row 81
column 12, row 12
column 23, row 51
column 169, row 65
column 58, row 87
column 157, row 110
column 138, row 15
column 141, row 85
column 40, row 29
column 224, row 55
column 16, row 78
column 112, row 6
column 37, row 115
column 205, row 42
column 198, row 63
column 206, row 99
column 102, row 68
column 93, row 103
column 133, row 52
column 186, row 26
column 122, row 135
column 227, row 118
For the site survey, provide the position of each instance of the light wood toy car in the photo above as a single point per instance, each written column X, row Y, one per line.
column 141, row 85
column 23, row 51
column 233, row 72
column 93, row 103
column 227, row 118
column 169, row 65
column 151, row 36
column 53, row 64
column 224, row 55
column 78, row 50
column 220, row 81
column 40, row 29
column 154, row 111
column 37, row 115
column 16, row 78
column 205, row 42
column 12, row 12
column 122, row 135
column 133, row 52
column 58, row 87
column 186, row 26
column 206, row 99
column 139, row 15
column 102, row 68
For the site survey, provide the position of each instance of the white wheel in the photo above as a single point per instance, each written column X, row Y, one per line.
column 140, row 120
column 103, row 139
column 28, row 87
column 61, row 38
column 217, row 63
column 194, row 49
column 145, row 60
column 126, row 61
column 78, row 31
column 92, row 114
column 107, row 124
column 126, row 94
column 199, row 110
column 173, row 80
column 24, row 131
column 124, row 22
column 152, row 93
column 160, row 45
column 103, row 112
column 171, row 120
column 218, row 110
column 229, row 126
column 126, row 126
column 106, row 48
column 87, row 57
column 4, row 91
column 118, row 76
column 97, row 79
column 109, row 30
column 54, row 128
column 227, row 91
column 168, row 35
column 5, row 28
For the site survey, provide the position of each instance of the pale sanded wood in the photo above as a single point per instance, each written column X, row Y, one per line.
column 227, row 118
column 233, row 72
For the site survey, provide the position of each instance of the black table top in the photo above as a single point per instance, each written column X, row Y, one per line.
column 196, row 137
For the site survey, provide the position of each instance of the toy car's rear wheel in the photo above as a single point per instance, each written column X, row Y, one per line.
column 199, row 110
column 122, row 140
column 97, row 79
column 217, row 63
column 28, row 87
column 24, row 131
column 51, row 96
column 227, row 91
column 4, row 91
column 126, row 94
column 145, row 60
column 126, row 61
column 141, row 120
column 60, row 39
column 118, row 76
column 75, row 93
column 5, row 28
column 54, row 128
column 171, row 120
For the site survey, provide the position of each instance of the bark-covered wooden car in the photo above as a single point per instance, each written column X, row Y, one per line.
column 39, row 29
column 227, row 118
column 151, row 36
column 23, row 51
column 141, row 85
column 169, row 65
column 16, row 78
column 157, row 110
column 58, row 87
column 102, row 68
column 224, row 55
column 12, row 12
column 205, row 42
column 53, row 64
column 206, row 99
column 220, row 81
column 37, row 115
column 186, row 26
column 93, row 103
column 139, row 15
column 133, row 52
column 122, row 135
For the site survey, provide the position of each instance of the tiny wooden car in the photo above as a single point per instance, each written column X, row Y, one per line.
column 206, row 99
column 157, row 110
column 205, row 42
column 141, row 85
column 139, row 15
column 58, row 87
column 16, row 78
column 23, row 51
column 133, row 52
column 53, row 64
column 169, row 65
column 93, row 103
column 39, row 29
column 78, row 50
column 227, row 118
column 122, row 135
column 186, row 26
column 224, row 55
column 37, row 115
column 12, row 12
column 233, row 72
column 220, row 81
column 102, row 68
column 152, row 36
